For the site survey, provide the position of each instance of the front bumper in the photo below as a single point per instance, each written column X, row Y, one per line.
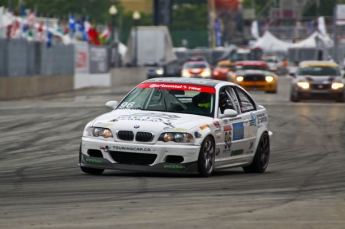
column 320, row 94
column 172, row 158
column 258, row 85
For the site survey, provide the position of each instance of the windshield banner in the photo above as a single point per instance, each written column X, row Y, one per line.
column 177, row 86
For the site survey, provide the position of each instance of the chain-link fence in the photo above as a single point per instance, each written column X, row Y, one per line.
column 19, row 58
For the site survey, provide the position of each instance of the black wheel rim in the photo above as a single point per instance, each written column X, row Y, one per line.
column 208, row 151
column 265, row 151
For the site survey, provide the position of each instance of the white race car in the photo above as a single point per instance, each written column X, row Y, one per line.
column 179, row 125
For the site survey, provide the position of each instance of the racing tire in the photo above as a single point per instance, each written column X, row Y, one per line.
column 262, row 156
column 89, row 170
column 207, row 157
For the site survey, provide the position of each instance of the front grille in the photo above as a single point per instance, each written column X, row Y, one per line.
column 320, row 86
column 133, row 158
column 254, row 78
column 143, row 137
column 125, row 135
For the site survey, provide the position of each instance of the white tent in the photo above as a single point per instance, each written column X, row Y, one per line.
column 269, row 43
column 311, row 41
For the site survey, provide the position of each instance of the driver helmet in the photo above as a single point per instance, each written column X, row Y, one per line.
column 204, row 100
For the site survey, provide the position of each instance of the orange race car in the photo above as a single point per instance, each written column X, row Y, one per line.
column 255, row 75
column 223, row 70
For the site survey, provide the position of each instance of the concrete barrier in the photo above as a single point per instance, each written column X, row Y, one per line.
column 127, row 76
column 23, row 87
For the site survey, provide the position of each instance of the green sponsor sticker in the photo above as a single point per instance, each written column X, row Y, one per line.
column 94, row 160
column 237, row 152
column 174, row 166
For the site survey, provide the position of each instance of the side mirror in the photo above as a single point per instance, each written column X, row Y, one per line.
column 228, row 113
column 112, row 104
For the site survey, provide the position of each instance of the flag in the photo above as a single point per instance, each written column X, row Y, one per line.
column 87, row 25
column 72, row 25
column 49, row 38
column 14, row 29
column 254, row 29
column 30, row 35
column 40, row 31
column 93, row 36
column 32, row 19
column 80, row 28
column 106, row 32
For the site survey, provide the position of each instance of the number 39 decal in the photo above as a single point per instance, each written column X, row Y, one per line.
column 227, row 139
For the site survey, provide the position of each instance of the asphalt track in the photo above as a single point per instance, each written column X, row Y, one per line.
column 41, row 185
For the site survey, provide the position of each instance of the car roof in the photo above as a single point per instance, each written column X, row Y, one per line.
column 256, row 63
column 195, row 81
column 196, row 62
column 318, row 63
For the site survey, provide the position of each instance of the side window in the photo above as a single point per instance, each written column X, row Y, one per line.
column 225, row 101
column 246, row 103
column 232, row 95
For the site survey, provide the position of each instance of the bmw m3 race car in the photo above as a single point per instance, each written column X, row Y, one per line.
column 179, row 125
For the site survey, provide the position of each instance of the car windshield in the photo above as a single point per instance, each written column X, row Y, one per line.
column 251, row 67
column 226, row 66
column 196, row 65
column 319, row 71
column 171, row 97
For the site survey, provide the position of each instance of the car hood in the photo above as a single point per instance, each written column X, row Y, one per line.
column 319, row 79
column 152, row 121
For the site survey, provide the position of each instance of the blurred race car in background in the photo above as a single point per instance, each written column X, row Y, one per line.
column 196, row 69
column 223, row 70
column 154, row 70
column 317, row 80
column 255, row 75
column 177, row 125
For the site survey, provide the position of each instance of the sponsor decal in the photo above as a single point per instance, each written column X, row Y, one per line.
column 217, row 151
column 216, row 124
column 238, row 131
column 227, row 128
column 250, row 152
column 236, row 152
column 177, row 86
column 94, row 160
column 175, row 129
column 153, row 117
column 227, row 141
column 235, row 119
column 197, row 134
column 104, row 124
column 252, row 122
column 203, row 127
column 105, row 149
column 113, row 120
column 251, row 145
column 132, row 148
column 174, row 166
column 262, row 118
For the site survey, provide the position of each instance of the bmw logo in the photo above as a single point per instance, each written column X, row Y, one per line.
column 136, row 126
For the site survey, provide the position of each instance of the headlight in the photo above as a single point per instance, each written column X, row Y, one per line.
column 206, row 73
column 159, row 71
column 239, row 78
column 337, row 85
column 176, row 137
column 269, row 79
column 98, row 132
column 185, row 73
column 216, row 73
column 304, row 85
